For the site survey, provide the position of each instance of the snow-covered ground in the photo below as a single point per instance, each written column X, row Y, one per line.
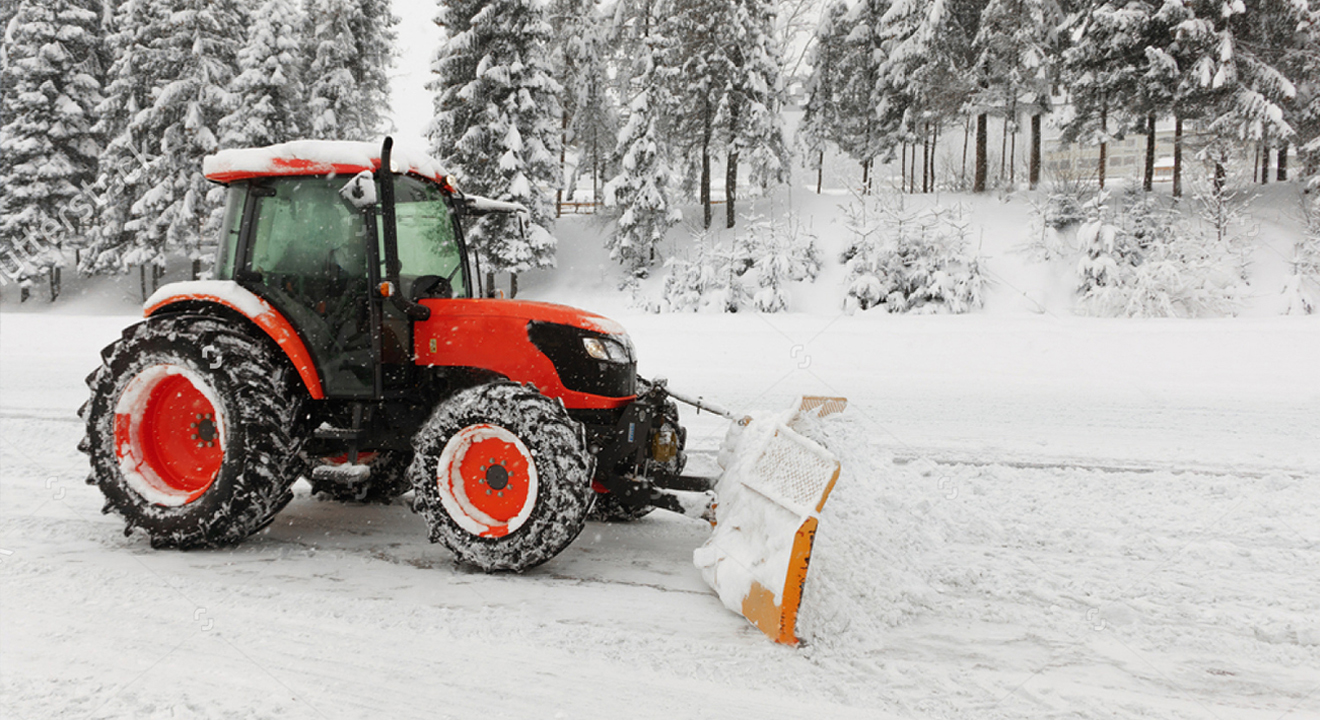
column 1039, row 517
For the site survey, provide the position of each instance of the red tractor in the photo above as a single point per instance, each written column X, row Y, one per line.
column 346, row 339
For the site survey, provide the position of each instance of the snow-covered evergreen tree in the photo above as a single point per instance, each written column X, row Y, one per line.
column 867, row 120
column 1302, row 286
column 580, row 60
column 821, row 118
column 699, row 68
column 782, row 252
column 928, row 73
column 268, row 98
column 749, row 114
column 1146, row 260
column 1123, row 70
column 910, row 260
column 1234, row 58
column 641, row 189
column 165, row 98
column 351, row 44
column 504, row 139
column 48, row 145
column 1017, row 46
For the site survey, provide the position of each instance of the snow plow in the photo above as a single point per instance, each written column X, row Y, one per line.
column 346, row 339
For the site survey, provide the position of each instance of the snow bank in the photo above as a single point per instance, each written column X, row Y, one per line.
column 868, row 570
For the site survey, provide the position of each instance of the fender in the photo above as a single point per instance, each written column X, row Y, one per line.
column 235, row 297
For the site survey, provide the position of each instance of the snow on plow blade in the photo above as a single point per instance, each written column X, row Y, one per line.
column 774, row 486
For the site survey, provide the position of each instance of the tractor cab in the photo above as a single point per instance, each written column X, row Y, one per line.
column 314, row 247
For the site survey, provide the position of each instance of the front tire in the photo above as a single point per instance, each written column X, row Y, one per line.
column 502, row 476
column 192, row 431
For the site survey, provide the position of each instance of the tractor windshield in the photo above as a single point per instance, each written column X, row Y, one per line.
column 427, row 238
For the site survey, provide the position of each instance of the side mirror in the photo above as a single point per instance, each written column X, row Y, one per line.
column 431, row 286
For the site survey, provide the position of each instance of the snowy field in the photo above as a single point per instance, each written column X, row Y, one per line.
column 1040, row 517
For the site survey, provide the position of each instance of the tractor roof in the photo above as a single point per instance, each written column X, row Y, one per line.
column 315, row 157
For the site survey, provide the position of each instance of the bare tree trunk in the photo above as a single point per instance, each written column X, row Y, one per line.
column 1265, row 159
column 731, row 166
column 1255, row 166
column 490, row 283
column 563, row 164
column 902, row 166
column 730, row 187
column 1003, row 152
column 513, row 285
column 1283, row 162
column 866, row 177
column 978, row 182
column 1149, row 183
column 705, row 188
column 925, row 159
column 1012, row 150
column 1033, row 170
column 1177, row 155
column 707, row 120
column 820, row 169
column 934, row 143
column 967, row 132
column 1104, row 144
column 197, row 269
column 54, row 275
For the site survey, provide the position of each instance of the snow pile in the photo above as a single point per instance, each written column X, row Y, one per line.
column 872, row 558
column 317, row 157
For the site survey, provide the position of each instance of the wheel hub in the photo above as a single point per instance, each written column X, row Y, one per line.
column 497, row 478
column 204, row 430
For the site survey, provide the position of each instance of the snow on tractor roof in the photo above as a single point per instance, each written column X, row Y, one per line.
column 315, row 157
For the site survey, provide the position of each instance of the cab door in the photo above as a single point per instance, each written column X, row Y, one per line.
column 311, row 257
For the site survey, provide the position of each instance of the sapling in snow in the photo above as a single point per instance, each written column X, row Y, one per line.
column 1144, row 260
column 910, row 260
column 1301, row 288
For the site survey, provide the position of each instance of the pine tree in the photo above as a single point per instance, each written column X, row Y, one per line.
column 698, row 68
column 821, row 119
column 1129, row 64
column 579, row 60
column 268, row 97
column 641, row 187
column 1234, row 59
column 928, row 74
column 867, row 118
column 1018, row 45
column 351, row 41
column 166, row 97
column 750, row 112
column 504, row 139
column 48, row 147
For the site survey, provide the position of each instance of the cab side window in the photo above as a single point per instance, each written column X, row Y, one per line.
column 306, row 229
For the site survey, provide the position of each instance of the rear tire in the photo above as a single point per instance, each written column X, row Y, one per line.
column 192, row 431
column 388, row 480
column 502, row 476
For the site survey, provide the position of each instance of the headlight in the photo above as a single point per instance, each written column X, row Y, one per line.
column 607, row 350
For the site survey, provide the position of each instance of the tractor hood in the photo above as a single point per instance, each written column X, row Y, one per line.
column 526, row 310
column 582, row 358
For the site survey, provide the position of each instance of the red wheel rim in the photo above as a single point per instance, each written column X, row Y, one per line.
column 487, row 480
column 169, row 435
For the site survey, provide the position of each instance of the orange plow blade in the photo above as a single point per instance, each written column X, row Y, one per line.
column 775, row 483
